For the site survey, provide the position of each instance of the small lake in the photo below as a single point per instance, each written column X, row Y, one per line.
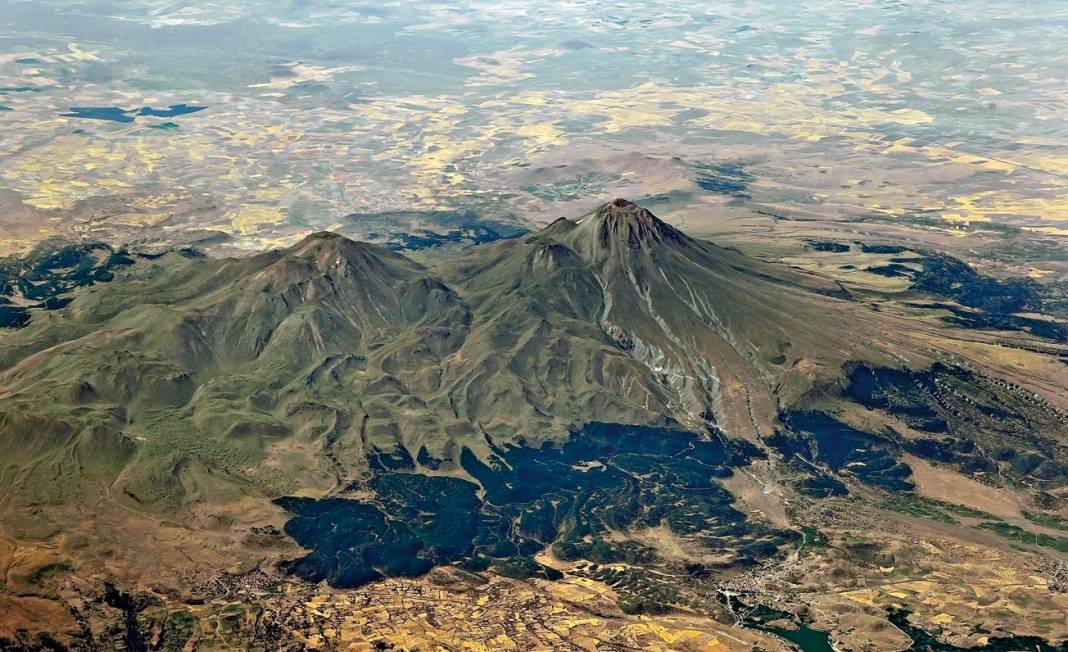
column 111, row 113
column 804, row 637
column 119, row 114
column 173, row 111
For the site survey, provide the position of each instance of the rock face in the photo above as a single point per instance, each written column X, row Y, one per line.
column 624, row 226
column 721, row 331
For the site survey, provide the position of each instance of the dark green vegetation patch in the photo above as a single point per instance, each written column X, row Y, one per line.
column 1021, row 535
column 729, row 179
column 459, row 227
column 1047, row 520
column 924, row 641
column 606, row 478
column 42, row 278
column 937, row 510
column 828, row 246
column 45, row 277
column 870, row 457
column 981, row 302
column 949, row 277
column 977, row 424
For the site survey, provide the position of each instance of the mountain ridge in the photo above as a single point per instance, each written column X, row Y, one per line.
column 192, row 381
column 602, row 394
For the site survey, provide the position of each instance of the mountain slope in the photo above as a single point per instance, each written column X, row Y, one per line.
column 232, row 372
column 724, row 339
column 608, row 396
column 586, row 390
column 210, row 362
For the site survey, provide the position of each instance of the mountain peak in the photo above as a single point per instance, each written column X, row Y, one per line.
column 622, row 218
column 622, row 223
column 334, row 255
column 321, row 239
column 326, row 248
column 559, row 226
column 620, row 202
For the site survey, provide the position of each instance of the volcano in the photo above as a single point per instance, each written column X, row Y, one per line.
column 574, row 390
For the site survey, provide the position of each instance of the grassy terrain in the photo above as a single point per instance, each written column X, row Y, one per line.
column 1014, row 533
column 1047, row 520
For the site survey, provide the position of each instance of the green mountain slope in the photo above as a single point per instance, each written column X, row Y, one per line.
column 192, row 381
column 721, row 338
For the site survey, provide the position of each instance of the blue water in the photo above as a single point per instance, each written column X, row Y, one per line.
column 806, row 638
column 119, row 114
column 111, row 113
column 174, row 110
